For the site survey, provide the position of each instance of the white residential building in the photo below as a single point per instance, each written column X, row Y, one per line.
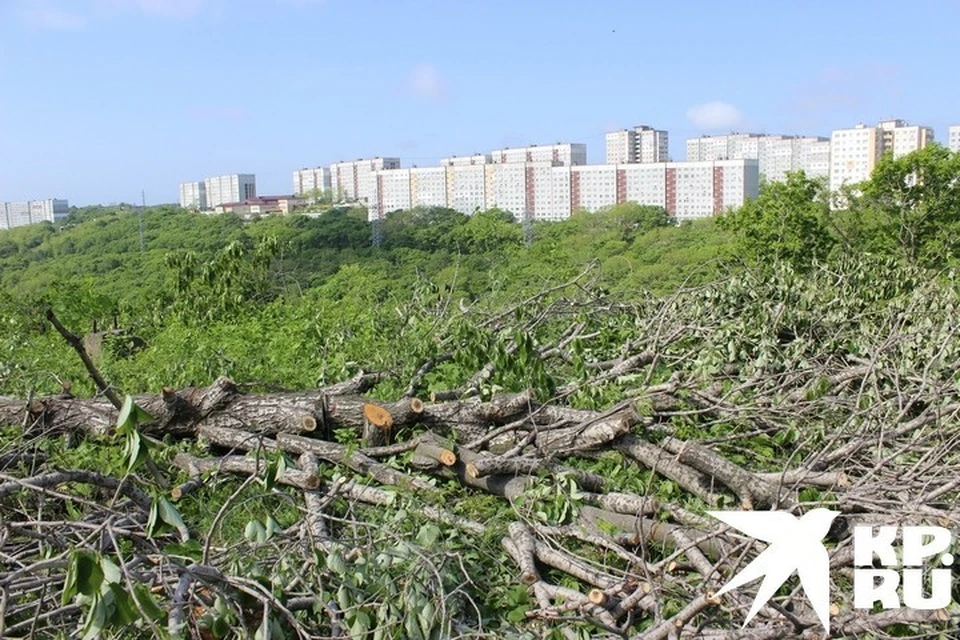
column 560, row 154
column 855, row 152
column 193, row 195
column 953, row 138
column 621, row 146
column 815, row 157
column 428, row 187
column 901, row 138
column 593, row 187
column 308, row 181
column 355, row 180
column 547, row 191
column 466, row 186
column 687, row 190
column 393, row 190
column 466, row 161
column 853, row 155
column 506, row 187
column 643, row 184
column 562, row 194
column 18, row 214
column 776, row 154
column 642, row 144
column 229, row 189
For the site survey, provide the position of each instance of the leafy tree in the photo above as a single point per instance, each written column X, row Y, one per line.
column 912, row 206
column 788, row 222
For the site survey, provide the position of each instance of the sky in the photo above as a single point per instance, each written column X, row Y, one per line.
column 103, row 99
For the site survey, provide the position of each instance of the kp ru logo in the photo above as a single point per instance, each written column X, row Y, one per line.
column 795, row 545
column 880, row 585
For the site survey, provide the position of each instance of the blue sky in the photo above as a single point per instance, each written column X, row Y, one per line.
column 102, row 98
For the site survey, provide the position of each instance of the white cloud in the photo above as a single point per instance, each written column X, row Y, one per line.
column 43, row 16
column 425, row 82
column 714, row 115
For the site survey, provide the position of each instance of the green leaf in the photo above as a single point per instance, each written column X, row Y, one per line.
column 169, row 514
column 272, row 527
column 254, row 531
column 336, row 563
column 428, row 534
column 517, row 615
column 360, row 625
column 95, row 621
column 120, row 608
column 147, row 603
column 220, row 627
column 111, row 572
column 89, row 573
column 124, row 422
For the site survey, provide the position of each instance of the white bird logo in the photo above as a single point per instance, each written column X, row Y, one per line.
column 795, row 545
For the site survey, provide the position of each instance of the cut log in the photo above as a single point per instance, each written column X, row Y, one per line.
column 662, row 462
column 314, row 524
column 248, row 466
column 651, row 531
column 432, row 452
column 526, row 547
column 339, row 454
column 377, row 425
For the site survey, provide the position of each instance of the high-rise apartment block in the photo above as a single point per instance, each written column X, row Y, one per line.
column 355, row 180
column 546, row 190
column 230, row 189
column 776, row 155
column 309, row 181
column 561, row 154
column 642, row 144
column 18, row 214
column 193, row 195
column 900, row 138
column 953, row 138
column 855, row 152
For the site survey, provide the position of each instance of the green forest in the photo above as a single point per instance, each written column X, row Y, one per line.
column 272, row 428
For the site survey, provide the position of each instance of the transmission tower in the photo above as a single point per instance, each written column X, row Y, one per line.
column 527, row 227
column 376, row 225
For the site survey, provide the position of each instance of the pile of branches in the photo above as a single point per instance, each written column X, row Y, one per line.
column 820, row 398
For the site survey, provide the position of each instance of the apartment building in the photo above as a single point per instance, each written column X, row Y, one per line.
column 642, row 144
column 505, row 186
column 228, row 189
column 901, row 138
column 428, row 187
column 466, row 186
column 356, row 180
column 193, row 195
column 18, row 214
column 953, row 138
column 546, row 191
column 815, row 158
column 853, row 154
column 593, row 187
column 776, row 154
column 466, row 161
column 560, row 154
column 261, row 206
column 620, row 146
column 392, row 191
column 308, row 181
